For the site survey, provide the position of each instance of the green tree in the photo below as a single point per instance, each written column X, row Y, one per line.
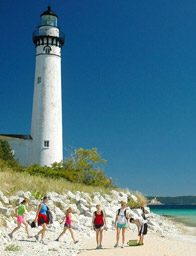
column 85, row 167
column 6, row 151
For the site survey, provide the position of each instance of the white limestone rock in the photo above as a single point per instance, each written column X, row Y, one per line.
column 34, row 202
column 115, row 194
column 9, row 212
column 63, row 197
column 109, row 213
column 93, row 209
column 19, row 200
column 132, row 214
column 96, row 194
column 20, row 193
column 4, row 199
column 88, row 214
column 85, row 221
column 108, row 198
column 74, row 207
column 87, row 197
column 147, row 210
column 13, row 199
column 3, row 210
column 56, row 224
column 58, row 212
column 52, row 194
column 138, row 212
column 78, row 197
column 83, row 201
column 71, row 195
column 58, row 201
column 27, row 195
column 133, row 197
column 96, row 199
column 82, row 208
column 122, row 199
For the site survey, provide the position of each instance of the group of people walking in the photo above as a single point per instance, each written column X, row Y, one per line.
column 44, row 217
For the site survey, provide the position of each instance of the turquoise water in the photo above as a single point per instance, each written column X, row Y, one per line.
column 183, row 214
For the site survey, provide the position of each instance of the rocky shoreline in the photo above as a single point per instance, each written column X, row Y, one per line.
column 83, row 205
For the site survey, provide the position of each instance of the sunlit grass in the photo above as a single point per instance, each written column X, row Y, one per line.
column 15, row 181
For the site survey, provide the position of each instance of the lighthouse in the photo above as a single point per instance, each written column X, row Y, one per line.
column 44, row 145
column 46, row 126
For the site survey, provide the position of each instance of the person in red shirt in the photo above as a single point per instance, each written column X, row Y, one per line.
column 99, row 224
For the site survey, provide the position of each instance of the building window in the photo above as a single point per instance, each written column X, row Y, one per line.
column 46, row 143
column 39, row 79
column 47, row 50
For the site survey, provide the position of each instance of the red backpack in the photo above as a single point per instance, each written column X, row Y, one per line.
column 98, row 218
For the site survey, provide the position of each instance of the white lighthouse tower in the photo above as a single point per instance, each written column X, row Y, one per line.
column 46, row 127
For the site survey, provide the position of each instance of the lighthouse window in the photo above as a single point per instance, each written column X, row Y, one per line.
column 46, row 143
column 39, row 80
column 47, row 50
column 49, row 20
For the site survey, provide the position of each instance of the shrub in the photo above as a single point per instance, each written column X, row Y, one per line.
column 37, row 195
column 141, row 201
column 6, row 153
column 13, row 248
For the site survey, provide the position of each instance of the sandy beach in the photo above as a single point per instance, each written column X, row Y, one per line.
column 166, row 237
column 155, row 245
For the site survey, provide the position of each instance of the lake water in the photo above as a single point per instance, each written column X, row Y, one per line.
column 182, row 213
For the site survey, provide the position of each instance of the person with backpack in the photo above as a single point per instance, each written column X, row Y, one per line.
column 20, row 212
column 99, row 224
column 121, row 223
column 42, row 219
column 67, row 225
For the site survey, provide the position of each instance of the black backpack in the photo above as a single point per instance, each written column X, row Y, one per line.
column 33, row 224
column 125, row 213
column 143, row 213
column 49, row 216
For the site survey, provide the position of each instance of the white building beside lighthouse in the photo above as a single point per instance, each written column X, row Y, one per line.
column 45, row 144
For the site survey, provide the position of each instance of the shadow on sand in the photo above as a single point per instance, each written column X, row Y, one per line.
column 104, row 248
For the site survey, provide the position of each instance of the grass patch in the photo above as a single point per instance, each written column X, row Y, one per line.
column 141, row 200
column 14, row 181
column 2, row 222
column 13, row 248
column 39, row 186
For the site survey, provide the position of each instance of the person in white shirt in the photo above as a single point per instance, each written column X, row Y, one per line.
column 142, row 228
column 121, row 223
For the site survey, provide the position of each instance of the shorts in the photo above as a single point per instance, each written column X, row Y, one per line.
column 98, row 226
column 143, row 230
column 42, row 218
column 124, row 225
column 20, row 219
column 67, row 225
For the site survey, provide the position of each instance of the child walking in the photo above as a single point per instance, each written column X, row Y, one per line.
column 20, row 212
column 67, row 225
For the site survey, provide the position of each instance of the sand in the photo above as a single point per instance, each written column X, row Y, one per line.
column 154, row 245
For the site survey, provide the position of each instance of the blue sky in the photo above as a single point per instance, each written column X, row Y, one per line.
column 129, row 85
